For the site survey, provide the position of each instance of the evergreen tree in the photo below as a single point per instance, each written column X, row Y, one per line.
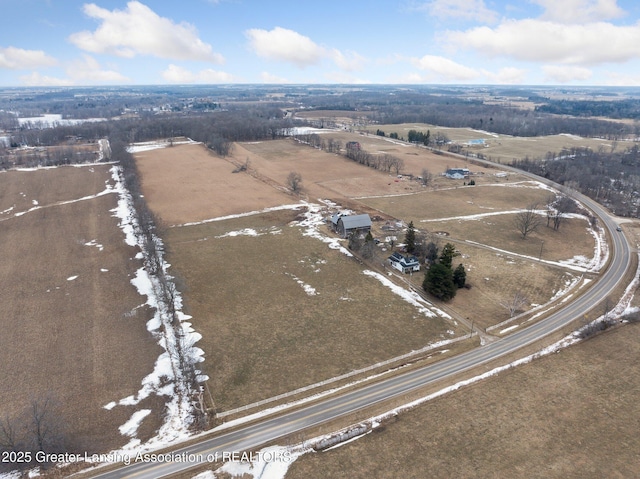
column 459, row 276
column 410, row 239
column 438, row 281
column 446, row 257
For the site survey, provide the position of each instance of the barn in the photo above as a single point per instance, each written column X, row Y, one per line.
column 344, row 225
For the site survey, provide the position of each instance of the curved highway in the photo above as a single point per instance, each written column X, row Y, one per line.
column 253, row 436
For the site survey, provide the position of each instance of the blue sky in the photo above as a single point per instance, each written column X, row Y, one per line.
column 109, row 42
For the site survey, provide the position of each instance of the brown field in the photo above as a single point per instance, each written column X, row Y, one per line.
column 255, row 343
column 494, row 278
column 500, row 148
column 186, row 183
column 259, row 343
column 573, row 414
column 73, row 340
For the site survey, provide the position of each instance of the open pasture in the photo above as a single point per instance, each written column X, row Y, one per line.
column 73, row 328
column 22, row 190
column 324, row 175
column 258, row 345
column 498, row 147
column 187, row 183
column 279, row 310
column 458, row 200
column 563, row 416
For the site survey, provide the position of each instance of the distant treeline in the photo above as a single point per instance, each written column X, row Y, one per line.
column 417, row 106
column 618, row 109
column 218, row 130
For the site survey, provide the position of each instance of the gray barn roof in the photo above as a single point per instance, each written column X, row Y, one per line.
column 356, row 221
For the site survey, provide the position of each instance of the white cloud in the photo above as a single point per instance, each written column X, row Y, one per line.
column 349, row 61
column 544, row 41
column 88, row 70
column 565, row 74
column 289, row 46
column 622, row 79
column 177, row 74
column 269, row 78
column 579, row 11
column 18, row 59
column 138, row 30
column 445, row 69
column 475, row 10
column 507, row 76
column 285, row 45
column 36, row 79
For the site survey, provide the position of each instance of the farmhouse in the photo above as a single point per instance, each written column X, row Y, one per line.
column 353, row 145
column 344, row 225
column 406, row 264
column 457, row 173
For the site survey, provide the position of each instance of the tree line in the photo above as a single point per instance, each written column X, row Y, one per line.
column 609, row 176
column 146, row 231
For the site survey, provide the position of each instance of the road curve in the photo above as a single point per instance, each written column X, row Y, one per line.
column 268, row 429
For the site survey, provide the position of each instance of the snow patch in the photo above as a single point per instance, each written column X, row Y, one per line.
column 96, row 244
column 410, row 297
column 130, row 428
column 166, row 378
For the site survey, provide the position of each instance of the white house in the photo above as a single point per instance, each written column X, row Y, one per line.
column 405, row 264
column 457, row 173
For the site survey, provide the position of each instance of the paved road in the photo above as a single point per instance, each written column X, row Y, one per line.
column 269, row 429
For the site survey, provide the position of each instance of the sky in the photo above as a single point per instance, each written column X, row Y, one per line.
column 154, row 42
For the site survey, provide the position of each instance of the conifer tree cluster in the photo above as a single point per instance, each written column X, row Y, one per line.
column 441, row 280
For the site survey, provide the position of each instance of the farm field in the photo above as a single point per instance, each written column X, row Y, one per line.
column 498, row 147
column 279, row 310
column 572, row 414
column 329, row 318
column 72, row 323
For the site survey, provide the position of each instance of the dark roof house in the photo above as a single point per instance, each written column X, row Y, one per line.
column 457, row 173
column 406, row 264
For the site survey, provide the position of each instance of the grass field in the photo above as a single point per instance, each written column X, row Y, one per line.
column 257, row 345
column 573, row 414
column 326, row 319
column 500, row 148
column 72, row 326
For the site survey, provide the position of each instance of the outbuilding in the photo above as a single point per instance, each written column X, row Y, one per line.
column 344, row 225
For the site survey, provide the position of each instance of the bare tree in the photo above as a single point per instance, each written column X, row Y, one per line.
column 398, row 165
column 426, row 177
column 294, row 181
column 563, row 206
column 8, row 435
column 514, row 303
column 528, row 220
column 46, row 425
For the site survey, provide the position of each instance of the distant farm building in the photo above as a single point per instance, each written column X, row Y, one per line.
column 405, row 264
column 344, row 225
column 457, row 173
column 353, row 145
